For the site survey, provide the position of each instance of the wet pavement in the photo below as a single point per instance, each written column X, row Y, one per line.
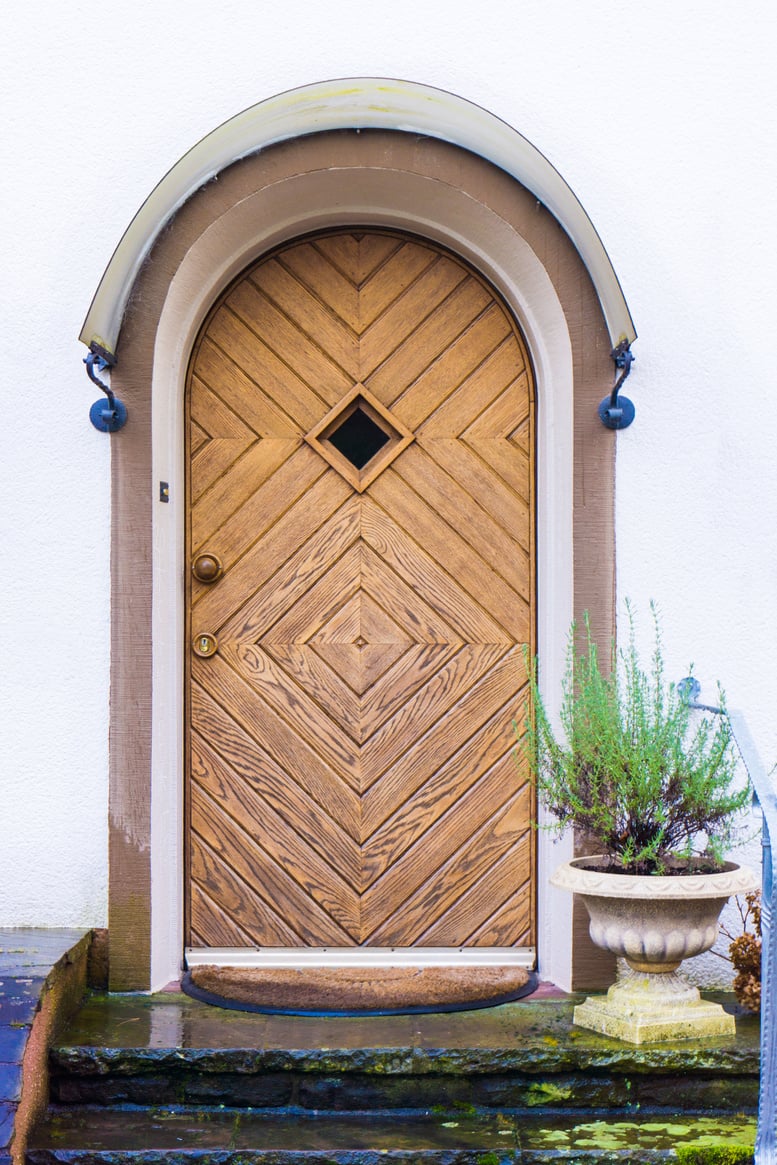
column 528, row 1030
column 448, row 1137
column 165, row 1078
column 27, row 957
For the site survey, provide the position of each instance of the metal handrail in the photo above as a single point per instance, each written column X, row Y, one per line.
column 765, row 796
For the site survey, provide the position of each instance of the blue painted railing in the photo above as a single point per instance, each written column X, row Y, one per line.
column 766, row 797
column 763, row 786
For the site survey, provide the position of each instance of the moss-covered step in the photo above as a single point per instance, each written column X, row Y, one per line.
column 458, row 1136
column 173, row 1050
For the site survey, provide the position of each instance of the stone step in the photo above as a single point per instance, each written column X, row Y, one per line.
column 454, row 1136
column 168, row 1049
column 207, row 1082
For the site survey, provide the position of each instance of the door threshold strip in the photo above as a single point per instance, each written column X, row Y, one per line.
column 361, row 957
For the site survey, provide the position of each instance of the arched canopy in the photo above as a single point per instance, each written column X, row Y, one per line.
column 360, row 103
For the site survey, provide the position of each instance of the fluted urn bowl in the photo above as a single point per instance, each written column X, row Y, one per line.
column 653, row 921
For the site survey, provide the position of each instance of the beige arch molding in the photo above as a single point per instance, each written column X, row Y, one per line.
column 356, row 103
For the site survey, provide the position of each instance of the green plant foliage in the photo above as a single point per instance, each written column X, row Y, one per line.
column 715, row 1155
column 639, row 773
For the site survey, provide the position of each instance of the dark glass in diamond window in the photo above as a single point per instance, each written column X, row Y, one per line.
column 358, row 438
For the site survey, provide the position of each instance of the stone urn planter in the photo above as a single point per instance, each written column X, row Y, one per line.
column 653, row 922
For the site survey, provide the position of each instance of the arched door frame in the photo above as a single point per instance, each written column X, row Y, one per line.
column 382, row 179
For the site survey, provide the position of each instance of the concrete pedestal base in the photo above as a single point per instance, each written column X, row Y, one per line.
column 641, row 1008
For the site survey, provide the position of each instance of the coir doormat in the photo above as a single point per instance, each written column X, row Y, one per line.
column 346, row 991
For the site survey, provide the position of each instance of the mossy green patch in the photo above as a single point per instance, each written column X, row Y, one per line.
column 693, row 1140
column 546, row 1092
column 454, row 1108
column 235, row 1132
column 715, row 1154
column 464, row 1109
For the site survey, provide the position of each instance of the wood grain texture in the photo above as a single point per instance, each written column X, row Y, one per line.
column 351, row 778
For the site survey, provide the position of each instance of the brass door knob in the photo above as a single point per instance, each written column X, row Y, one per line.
column 206, row 568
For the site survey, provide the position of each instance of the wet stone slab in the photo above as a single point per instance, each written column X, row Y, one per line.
column 158, row 1028
column 7, row 1114
column 27, row 958
column 31, row 951
column 170, row 1049
column 455, row 1137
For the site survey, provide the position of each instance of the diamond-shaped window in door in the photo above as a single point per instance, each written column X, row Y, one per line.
column 359, row 437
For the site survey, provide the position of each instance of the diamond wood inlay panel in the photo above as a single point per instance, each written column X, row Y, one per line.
column 350, row 777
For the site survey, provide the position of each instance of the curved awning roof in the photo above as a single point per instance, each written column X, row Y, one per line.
column 360, row 103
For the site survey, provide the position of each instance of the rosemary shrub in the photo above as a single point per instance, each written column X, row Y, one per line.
column 640, row 774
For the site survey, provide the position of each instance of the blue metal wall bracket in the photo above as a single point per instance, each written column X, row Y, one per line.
column 618, row 412
column 765, row 794
column 107, row 415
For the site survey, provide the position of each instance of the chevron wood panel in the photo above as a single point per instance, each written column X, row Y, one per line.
column 264, row 369
column 415, row 327
column 439, row 891
column 432, row 401
column 383, row 283
column 425, row 472
column 265, row 416
column 268, row 883
column 415, row 818
column 237, row 799
column 350, row 777
column 255, row 314
column 278, row 738
column 470, row 621
column 485, row 373
column 214, row 924
column 292, row 578
column 333, row 334
column 484, row 486
column 276, row 531
column 453, row 552
column 297, row 800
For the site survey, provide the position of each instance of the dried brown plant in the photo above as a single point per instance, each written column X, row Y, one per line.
column 745, row 953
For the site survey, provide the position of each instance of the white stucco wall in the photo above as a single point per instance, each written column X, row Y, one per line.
column 661, row 118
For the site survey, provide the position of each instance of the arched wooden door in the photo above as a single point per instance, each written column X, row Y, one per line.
column 360, row 438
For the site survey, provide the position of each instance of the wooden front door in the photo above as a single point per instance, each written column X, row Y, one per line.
column 360, row 436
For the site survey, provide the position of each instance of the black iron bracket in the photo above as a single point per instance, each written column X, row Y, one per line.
column 108, row 415
column 618, row 412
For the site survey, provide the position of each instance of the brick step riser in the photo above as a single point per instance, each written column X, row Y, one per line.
column 366, row 1092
